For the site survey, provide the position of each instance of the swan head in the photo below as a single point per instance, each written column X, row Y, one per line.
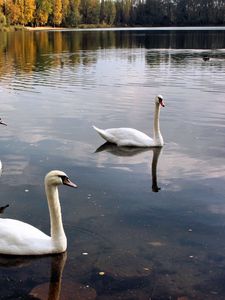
column 56, row 178
column 3, row 123
column 159, row 100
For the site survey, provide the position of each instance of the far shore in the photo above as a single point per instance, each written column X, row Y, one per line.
column 46, row 28
column 100, row 27
column 97, row 28
column 81, row 27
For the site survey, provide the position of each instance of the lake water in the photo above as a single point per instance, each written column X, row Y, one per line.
column 142, row 224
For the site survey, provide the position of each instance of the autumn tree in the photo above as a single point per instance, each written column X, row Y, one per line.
column 65, row 11
column 24, row 11
column 107, row 12
column 118, row 12
column 43, row 11
column 90, row 11
column 73, row 17
column 29, row 11
column 102, row 12
column 1, row 5
column 123, row 12
column 2, row 16
column 57, row 13
column 12, row 12
column 110, row 12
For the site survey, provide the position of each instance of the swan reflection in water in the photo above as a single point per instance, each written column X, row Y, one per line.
column 2, row 208
column 2, row 123
column 46, row 291
column 132, row 151
column 54, row 289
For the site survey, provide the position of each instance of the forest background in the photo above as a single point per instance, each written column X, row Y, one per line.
column 73, row 13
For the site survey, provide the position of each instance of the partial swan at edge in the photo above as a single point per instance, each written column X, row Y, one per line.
column 132, row 137
column 19, row 238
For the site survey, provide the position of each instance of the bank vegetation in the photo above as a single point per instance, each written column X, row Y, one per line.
column 74, row 13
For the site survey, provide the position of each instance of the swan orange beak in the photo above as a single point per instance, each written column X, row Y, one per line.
column 162, row 103
column 68, row 182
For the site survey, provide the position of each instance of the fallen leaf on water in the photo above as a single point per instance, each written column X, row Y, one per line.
column 101, row 273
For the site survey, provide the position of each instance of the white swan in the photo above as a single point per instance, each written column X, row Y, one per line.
column 1, row 122
column 19, row 238
column 132, row 137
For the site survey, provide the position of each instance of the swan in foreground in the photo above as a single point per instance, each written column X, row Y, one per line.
column 2, row 123
column 132, row 137
column 19, row 238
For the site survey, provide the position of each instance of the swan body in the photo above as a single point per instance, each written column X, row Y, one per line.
column 19, row 238
column 132, row 137
column 125, row 137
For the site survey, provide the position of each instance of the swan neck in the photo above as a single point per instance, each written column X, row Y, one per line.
column 57, row 231
column 156, row 128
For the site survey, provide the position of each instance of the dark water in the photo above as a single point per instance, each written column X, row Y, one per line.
column 150, row 243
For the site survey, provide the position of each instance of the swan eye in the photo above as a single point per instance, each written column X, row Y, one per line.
column 67, row 181
column 160, row 99
column 63, row 177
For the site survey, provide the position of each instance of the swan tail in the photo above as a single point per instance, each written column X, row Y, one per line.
column 101, row 132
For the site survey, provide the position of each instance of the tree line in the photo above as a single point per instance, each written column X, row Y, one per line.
column 72, row 13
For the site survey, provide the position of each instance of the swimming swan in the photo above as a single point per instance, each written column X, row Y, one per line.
column 132, row 137
column 1, row 122
column 19, row 238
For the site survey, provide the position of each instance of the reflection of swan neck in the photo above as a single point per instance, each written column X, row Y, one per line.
column 156, row 153
column 57, row 266
column 57, row 231
column 156, row 129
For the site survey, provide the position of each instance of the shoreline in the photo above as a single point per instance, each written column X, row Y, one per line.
column 49, row 28
column 46, row 28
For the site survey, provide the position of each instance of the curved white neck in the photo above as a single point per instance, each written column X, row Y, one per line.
column 57, row 231
column 156, row 129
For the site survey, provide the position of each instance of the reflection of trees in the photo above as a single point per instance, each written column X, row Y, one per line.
column 193, row 39
column 28, row 51
column 182, row 40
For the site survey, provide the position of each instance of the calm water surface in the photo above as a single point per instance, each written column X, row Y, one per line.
column 153, row 221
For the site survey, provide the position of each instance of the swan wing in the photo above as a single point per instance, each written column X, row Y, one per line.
column 105, row 134
column 126, row 137
column 19, row 238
